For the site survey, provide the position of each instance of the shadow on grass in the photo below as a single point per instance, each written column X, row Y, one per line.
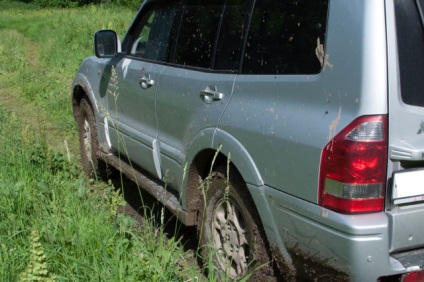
column 145, row 209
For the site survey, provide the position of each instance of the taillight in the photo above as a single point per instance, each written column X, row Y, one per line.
column 354, row 166
column 413, row 277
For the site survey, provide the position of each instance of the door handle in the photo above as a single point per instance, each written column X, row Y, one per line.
column 146, row 82
column 211, row 94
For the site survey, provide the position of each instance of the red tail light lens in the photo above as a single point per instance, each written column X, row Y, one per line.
column 354, row 166
column 413, row 277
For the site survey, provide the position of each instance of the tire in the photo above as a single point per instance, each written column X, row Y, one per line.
column 89, row 144
column 230, row 231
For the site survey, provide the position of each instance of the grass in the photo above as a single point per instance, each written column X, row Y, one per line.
column 53, row 219
column 41, row 50
column 55, row 225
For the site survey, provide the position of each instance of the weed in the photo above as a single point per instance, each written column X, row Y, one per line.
column 37, row 268
column 85, row 239
column 114, row 199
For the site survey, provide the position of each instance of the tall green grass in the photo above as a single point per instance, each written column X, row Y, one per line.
column 52, row 220
column 77, row 3
column 41, row 50
column 54, row 226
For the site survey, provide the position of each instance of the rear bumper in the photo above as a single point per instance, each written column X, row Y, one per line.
column 325, row 245
column 411, row 260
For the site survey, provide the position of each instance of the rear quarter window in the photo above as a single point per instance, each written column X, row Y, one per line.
column 283, row 37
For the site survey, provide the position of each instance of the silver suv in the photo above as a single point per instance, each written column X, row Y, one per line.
column 291, row 133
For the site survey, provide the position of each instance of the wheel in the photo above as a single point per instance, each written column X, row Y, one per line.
column 231, row 233
column 87, row 131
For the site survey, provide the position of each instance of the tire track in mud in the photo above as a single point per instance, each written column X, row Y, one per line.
column 24, row 55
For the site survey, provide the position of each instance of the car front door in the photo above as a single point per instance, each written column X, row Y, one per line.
column 134, row 83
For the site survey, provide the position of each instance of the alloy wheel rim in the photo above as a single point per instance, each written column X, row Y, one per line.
column 87, row 139
column 230, row 240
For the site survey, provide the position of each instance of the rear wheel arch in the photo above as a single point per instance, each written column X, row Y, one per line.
column 224, row 199
column 202, row 165
column 203, row 161
column 198, row 171
column 233, row 157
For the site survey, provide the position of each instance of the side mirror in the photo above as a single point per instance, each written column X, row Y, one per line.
column 105, row 43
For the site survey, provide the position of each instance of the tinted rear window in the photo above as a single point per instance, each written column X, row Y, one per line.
column 283, row 37
column 198, row 32
column 231, row 35
column 410, row 40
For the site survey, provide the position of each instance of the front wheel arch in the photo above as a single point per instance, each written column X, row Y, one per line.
column 89, row 142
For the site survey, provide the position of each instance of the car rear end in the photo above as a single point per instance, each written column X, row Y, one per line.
column 369, row 221
column 404, row 203
column 372, row 170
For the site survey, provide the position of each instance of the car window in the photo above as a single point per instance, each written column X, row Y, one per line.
column 198, row 32
column 231, row 35
column 410, row 41
column 283, row 37
column 155, row 33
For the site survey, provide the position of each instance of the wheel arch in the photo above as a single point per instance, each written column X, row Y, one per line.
column 241, row 168
column 224, row 149
column 81, row 88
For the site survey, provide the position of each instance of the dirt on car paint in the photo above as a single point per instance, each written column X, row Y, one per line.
column 306, row 268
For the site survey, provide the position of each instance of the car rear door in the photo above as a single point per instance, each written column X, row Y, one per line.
column 196, row 89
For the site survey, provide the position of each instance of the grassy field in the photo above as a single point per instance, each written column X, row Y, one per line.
column 54, row 223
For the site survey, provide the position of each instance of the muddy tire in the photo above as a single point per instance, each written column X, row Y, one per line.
column 89, row 144
column 230, row 231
